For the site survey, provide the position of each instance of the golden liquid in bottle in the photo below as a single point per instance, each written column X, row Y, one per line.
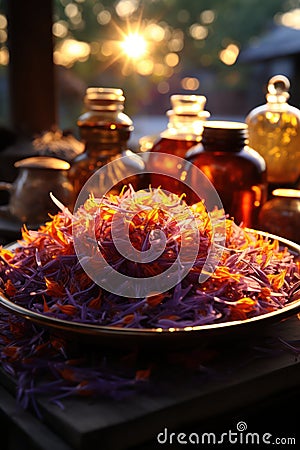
column 275, row 136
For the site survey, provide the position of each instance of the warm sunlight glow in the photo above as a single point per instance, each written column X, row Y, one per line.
column 134, row 46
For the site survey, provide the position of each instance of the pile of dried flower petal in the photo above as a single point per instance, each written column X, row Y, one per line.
column 43, row 274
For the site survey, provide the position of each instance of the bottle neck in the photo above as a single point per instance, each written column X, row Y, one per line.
column 104, row 99
column 225, row 136
column 185, row 126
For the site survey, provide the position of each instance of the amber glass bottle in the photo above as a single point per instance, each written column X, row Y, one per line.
column 105, row 130
column 274, row 132
column 237, row 172
column 281, row 214
column 184, row 130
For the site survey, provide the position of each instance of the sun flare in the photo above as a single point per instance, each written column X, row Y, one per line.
column 134, row 45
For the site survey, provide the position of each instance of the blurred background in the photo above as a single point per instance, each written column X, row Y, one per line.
column 223, row 49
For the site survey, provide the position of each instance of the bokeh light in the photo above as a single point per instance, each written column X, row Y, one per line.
column 207, row 16
column 190, row 83
column 172, row 59
column 125, row 8
column 60, row 29
column 163, row 87
column 71, row 51
column 71, row 10
column 4, row 56
column 291, row 19
column 104, row 17
column 229, row 55
column 154, row 32
column 3, row 22
column 3, row 36
column 198, row 31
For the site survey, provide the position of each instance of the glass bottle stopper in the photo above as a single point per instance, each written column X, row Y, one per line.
column 278, row 87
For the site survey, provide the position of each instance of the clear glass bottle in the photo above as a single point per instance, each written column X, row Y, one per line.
column 274, row 132
column 184, row 130
column 105, row 130
column 237, row 172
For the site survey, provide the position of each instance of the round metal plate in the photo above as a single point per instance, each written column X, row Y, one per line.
column 120, row 337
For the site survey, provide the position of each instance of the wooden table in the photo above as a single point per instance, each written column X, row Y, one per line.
column 247, row 389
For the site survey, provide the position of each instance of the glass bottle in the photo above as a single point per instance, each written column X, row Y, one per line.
column 274, row 132
column 281, row 214
column 237, row 172
column 184, row 130
column 105, row 130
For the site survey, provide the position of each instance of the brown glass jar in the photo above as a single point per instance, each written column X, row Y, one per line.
column 281, row 214
column 105, row 130
column 237, row 172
